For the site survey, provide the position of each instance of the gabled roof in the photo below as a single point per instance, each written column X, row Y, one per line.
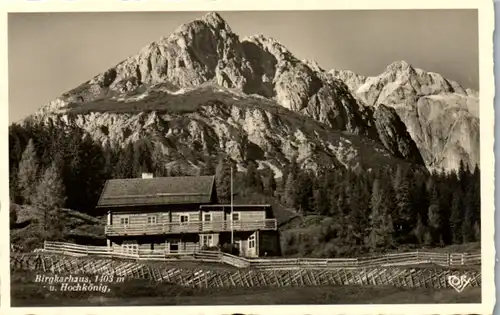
column 157, row 191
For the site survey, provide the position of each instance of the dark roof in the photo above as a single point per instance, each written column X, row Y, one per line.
column 157, row 191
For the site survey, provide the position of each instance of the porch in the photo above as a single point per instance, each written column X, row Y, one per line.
column 189, row 227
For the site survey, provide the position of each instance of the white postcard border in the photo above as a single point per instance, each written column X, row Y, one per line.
column 486, row 90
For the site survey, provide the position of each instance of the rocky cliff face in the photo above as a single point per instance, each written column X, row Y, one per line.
column 202, row 63
column 441, row 116
column 243, row 127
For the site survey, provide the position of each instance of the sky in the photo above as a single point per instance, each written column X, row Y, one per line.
column 51, row 53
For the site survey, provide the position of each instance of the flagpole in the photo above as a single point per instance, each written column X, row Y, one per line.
column 232, row 232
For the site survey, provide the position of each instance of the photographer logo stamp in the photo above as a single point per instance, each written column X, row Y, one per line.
column 459, row 283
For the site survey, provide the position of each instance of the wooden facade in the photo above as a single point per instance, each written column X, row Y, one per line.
column 180, row 215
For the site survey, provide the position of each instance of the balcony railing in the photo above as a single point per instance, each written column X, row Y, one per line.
column 190, row 227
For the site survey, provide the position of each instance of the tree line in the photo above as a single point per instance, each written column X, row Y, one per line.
column 364, row 210
column 385, row 209
column 81, row 166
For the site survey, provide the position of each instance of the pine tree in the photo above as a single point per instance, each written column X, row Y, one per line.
column 456, row 218
column 333, row 187
column 389, row 201
column 359, row 208
column 468, row 234
column 109, row 160
column 28, row 172
column 304, row 192
column 462, row 176
column 420, row 200
column 290, row 195
column 434, row 215
column 92, row 175
column 341, row 204
column 282, row 182
column 420, row 231
column 14, row 192
column 320, row 196
column 380, row 222
column 477, row 201
column 123, row 168
column 428, row 240
column 12, row 215
column 376, row 200
column 50, row 198
column 143, row 156
column 472, row 208
column 447, row 185
column 253, row 178
column 404, row 221
column 17, row 143
column 435, row 224
column 135, row 151
column 269, row 183
column 294, row 168
column 158, row 160
column 223, row 179
column 477, row 231
column 399, row 177
column 72, row 163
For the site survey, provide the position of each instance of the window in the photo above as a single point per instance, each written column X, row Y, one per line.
column 124, row 220
column 207, row 240
column 236, row 216
column 207, row 217
column 184, row 218
column 251, row 241
column 152, row 220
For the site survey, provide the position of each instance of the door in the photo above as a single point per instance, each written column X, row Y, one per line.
column 184, row 219
column 207, row 222
column 207, row 240
column 239, row 246
column 174, row 246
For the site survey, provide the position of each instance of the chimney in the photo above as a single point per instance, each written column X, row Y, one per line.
column 147, row 175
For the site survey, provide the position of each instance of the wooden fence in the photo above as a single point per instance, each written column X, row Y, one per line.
column 387, row 260
column 202, row 276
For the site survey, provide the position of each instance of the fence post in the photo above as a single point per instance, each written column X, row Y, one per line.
column 462, row 259
column 449, row 259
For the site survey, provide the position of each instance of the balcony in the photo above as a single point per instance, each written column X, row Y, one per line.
column 190, row 227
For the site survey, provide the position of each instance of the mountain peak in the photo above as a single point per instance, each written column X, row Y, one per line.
column 401, row 65
column 271, row 45
column 215, row 20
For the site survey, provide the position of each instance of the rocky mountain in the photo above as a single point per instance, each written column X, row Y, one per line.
column 201, row 91
column 441, row 116
column 208, row 120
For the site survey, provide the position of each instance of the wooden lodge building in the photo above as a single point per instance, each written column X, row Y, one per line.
column 180, row 215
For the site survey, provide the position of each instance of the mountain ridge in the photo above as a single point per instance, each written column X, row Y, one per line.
column 206, row 51
column 428, row 104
